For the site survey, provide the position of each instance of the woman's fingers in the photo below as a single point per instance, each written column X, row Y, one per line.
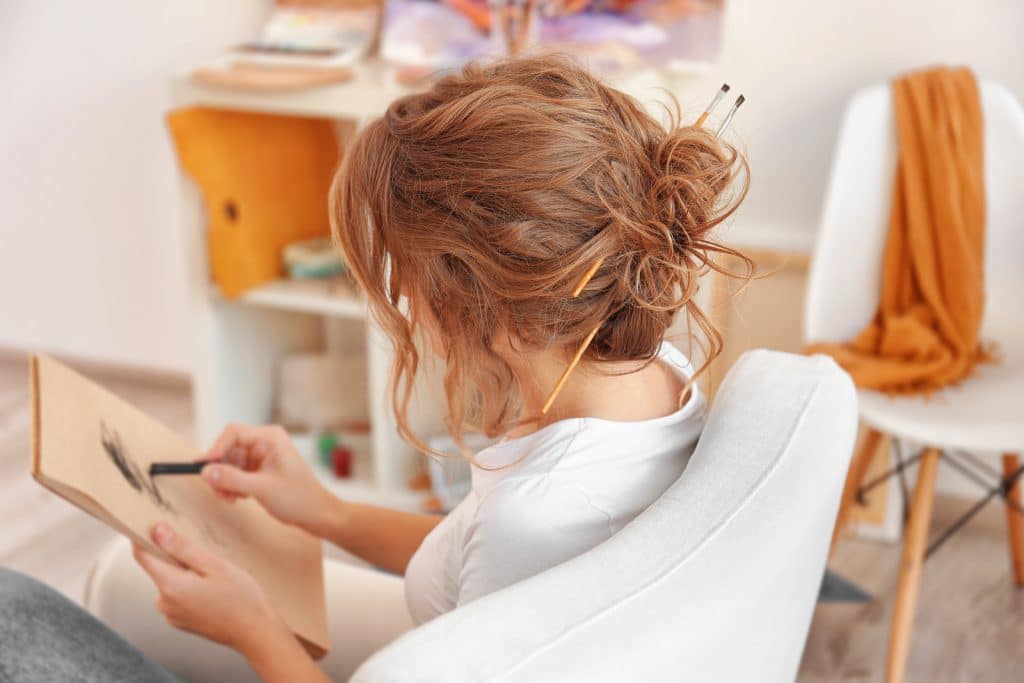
column 260, row 452
column 232, row 480
column 244, row 446
column 182, row 549
column 235, row 456
column 162, row 573
column 234, row 436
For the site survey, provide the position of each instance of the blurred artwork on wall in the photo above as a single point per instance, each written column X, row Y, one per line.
column 607, row 34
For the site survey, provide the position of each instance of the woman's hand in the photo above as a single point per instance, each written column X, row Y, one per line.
column 263, row 463
column 210, row 596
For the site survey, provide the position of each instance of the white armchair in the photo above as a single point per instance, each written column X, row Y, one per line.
column 716, row 581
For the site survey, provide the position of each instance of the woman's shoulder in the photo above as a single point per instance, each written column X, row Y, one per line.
column 530, row 454
column 525, row 510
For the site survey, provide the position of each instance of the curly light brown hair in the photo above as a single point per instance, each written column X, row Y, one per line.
column 487, row 198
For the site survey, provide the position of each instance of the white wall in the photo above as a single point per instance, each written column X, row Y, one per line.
column 91, row 261
column 798, row 61
column 90, row 258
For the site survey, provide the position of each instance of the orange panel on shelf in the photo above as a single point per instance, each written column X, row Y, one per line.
column 264, row 180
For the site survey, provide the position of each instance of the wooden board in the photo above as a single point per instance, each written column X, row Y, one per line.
column 93, row 449
column 262, row 78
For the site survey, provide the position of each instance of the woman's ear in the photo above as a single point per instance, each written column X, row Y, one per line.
column 513, row 350
column 514, row 343
column 504, row 343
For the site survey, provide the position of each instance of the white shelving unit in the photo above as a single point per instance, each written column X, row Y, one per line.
column 239, row 342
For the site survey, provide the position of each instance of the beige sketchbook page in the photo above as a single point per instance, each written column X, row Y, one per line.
column 94, row 449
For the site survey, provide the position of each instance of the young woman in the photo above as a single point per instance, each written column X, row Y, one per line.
column 470, row 214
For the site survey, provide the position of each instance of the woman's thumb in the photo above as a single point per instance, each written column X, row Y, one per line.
column 230, row 479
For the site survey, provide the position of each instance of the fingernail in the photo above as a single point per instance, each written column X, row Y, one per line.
column 163, row 533
column 212, row 473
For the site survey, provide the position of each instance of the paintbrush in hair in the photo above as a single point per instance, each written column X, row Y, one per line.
column 597, row 264
column 714, row 103
column 728, row 117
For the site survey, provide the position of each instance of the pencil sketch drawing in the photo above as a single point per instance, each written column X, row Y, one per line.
column 129, row 469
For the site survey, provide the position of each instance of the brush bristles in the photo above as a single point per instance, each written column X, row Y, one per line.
column 728, row 117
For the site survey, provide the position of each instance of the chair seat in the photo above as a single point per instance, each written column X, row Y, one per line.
column 983, row 413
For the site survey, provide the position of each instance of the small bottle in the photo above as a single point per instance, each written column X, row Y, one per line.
column 324, row 445
column 341, row 461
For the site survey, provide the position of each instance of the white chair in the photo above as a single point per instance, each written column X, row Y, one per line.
column 985, row 413
column 716, row 581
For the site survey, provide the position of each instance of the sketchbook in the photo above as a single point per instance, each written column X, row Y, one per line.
column 93, row 449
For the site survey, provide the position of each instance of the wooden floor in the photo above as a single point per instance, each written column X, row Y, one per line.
column 969, row 626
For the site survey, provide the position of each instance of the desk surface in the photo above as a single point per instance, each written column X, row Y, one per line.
column 366, row 94
column 370, row 90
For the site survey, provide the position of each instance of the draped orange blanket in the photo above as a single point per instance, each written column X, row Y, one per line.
column 925, row 333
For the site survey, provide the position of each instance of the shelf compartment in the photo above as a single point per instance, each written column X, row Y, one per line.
column 333, row 297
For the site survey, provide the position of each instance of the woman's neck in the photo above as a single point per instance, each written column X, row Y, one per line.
column 624, row 391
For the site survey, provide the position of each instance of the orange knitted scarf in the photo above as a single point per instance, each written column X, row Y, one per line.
column 925, row 334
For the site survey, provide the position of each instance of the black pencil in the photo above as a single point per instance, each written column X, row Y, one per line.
column 176, row 468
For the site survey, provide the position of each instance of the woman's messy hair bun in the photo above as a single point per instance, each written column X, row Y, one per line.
column 487, row 199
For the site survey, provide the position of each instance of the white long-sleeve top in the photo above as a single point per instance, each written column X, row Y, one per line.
column 541, row 499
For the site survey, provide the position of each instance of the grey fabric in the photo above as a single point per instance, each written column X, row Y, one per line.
column 46, row 637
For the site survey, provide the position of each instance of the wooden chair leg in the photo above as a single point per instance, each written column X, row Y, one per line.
column 1014, row 521
column 914, row 543
column 859, row 465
